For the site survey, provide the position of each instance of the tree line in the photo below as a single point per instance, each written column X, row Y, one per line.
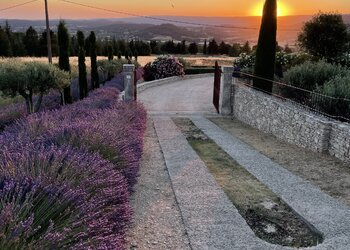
column 34, row 43
column 210, row 47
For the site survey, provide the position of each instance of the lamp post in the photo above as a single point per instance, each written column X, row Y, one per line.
column 48, row 34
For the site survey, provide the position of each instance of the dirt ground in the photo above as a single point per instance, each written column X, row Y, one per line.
column 328, row 173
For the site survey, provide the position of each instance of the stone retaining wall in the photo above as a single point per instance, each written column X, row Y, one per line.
column 291, row 123
column 339, row 143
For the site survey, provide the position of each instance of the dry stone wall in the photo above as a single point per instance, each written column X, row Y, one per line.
column 290, row 122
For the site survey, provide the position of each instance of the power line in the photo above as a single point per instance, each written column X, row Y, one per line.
column 18, row 5
column 157, row 18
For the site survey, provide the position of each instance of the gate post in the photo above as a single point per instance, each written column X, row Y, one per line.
column 128, row 72
column 225, row 90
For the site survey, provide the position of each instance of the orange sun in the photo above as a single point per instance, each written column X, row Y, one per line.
column 282, row 9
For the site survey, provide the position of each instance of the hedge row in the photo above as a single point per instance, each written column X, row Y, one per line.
column 66, row 175
column 199, row 70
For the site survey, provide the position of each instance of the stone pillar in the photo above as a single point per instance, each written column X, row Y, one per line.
column 225, row 90
column 128, row 72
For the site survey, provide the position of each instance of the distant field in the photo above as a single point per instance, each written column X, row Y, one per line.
column 73, row 60
column 193, row 60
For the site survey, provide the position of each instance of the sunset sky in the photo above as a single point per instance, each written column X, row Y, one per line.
column 59, row 9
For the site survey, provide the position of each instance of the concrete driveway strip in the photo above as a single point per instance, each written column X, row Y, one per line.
column 325, row 213
column 210, row 219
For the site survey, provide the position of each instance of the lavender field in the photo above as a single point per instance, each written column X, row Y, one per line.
column 66, row 174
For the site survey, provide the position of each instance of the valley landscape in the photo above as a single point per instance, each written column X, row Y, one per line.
column 228, row 29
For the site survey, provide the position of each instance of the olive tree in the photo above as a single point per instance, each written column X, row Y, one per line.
column 31, row 78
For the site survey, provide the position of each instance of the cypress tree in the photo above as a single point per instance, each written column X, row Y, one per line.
column 266, row 50
column 83, row 87
column 93, row 56
column 63, row 60
column 5, row 44
column 110, row 52
column 31, row 42
column 205, row 47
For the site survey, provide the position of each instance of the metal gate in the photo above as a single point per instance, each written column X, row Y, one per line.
column 217, row 78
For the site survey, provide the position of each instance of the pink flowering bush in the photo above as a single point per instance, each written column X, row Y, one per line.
column 163, row 67
column 66, row 175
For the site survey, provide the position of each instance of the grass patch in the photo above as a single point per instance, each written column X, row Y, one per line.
column 269, row 217
column 4, row 101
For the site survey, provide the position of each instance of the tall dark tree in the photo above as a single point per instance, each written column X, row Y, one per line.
column 83, row 86
column 122, row 46
column 5, row 45
column 224, row 48
column 213, row 47
column 193, row 49
column 9, row 34
column 183, row 47
column 43, row 44
column 74, row 46
column 324, row 36
column 235, row 50
column 115, row 46
column 266, row 50
column 246, row 48
column 31, row 42
column 63, row 59
column 94, row 73
column 110, row 52
column 18, row 48
column 205, row 47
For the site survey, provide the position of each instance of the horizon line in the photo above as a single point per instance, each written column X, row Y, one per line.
column 113, row 18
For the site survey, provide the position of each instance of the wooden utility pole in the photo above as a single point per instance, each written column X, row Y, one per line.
column 48, row 33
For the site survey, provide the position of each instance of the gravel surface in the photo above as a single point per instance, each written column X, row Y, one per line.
column 157, row 220
column 324, row 171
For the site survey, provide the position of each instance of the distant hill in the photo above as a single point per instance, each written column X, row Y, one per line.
column 240, row 29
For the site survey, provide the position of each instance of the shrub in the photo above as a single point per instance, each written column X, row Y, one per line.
column 110, row 67
column 91, row 124
column 162, row 67
column 309, row 75
column 186, row 64
column 65, row 175
column 70, row 189
column 245, row 62
column 199, row 70
column 338, row 101
column 29, row 78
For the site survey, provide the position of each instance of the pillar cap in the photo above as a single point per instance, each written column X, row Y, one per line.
column 227, row 69
column 128, row 67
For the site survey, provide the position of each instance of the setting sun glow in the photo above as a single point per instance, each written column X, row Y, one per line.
column 282, row 9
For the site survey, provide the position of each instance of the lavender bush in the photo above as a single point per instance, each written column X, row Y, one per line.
column 78, row 162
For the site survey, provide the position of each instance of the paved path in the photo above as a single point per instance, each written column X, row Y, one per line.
column 157, row 218
column 186, row 96
column 209, row 218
